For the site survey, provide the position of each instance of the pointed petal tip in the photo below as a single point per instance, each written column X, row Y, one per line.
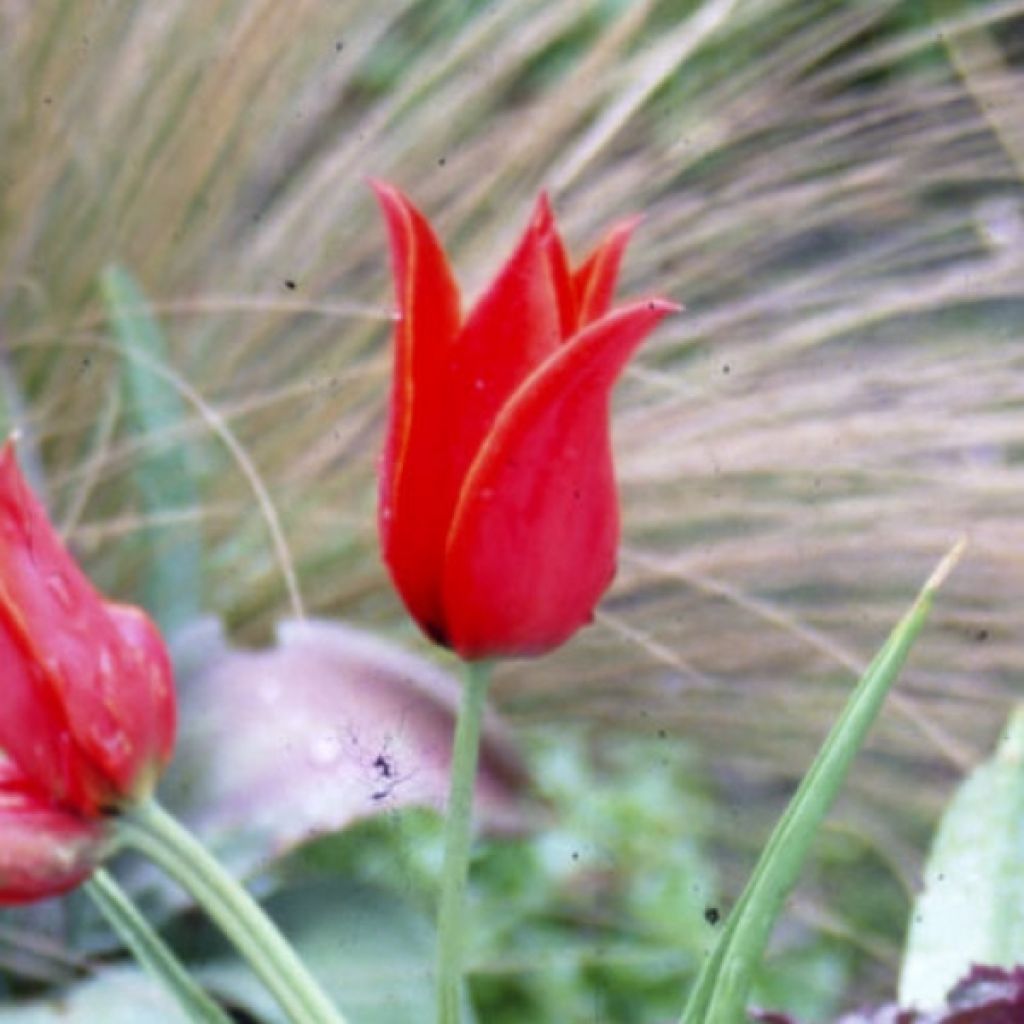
column 393, row 202
column 542, row 219
column 666, row 307
column 9, row 448
column 387, row 195
column 629, row 224
column 9, row 465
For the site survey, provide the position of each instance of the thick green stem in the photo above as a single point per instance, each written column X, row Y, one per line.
column 153, row 832
column 458, row 838
column 151, row 951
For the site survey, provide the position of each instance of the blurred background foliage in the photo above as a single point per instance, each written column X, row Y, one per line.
column 832, row 187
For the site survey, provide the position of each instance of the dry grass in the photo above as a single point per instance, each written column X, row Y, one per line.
column 838, row 205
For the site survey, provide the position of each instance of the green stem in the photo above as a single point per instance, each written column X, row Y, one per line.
column 458, row 838
column 151, row 951
column 153, row 832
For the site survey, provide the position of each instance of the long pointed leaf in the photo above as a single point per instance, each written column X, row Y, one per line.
column 163, row 473
column 720, row 993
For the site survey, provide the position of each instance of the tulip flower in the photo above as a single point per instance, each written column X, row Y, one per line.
column 88, row 704
column 498, row 507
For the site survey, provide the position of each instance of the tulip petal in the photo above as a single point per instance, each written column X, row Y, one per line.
column 533, row 542
column 35, row 732
column 71, row 693
column 45, row 850
column 415, row 473
column 594, row 280
column 147, row 708
column 558, row 265
column 513, row 328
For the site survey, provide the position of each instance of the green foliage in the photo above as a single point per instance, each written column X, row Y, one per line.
column 369, row 948
column 604, row 905
column 807, row 981
column 165, row 474
column 609, row 909
column 121, row 995
column 972, row 908
column 722, row 990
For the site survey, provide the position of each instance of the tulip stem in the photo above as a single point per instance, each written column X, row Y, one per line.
column 458, row 838
column 153, row 832
column 151, row 951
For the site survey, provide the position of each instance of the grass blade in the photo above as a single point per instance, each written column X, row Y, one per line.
column 720, row 993
column 173, row 581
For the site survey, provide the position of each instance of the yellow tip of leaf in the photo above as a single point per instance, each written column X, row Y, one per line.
column 946, row 566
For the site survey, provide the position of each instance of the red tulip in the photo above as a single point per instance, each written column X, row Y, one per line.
column 498, row 508
column 88, row 703
column 44, row 849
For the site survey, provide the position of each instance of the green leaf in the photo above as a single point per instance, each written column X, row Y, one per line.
column 163, row 472
column 372, row 952
column 114, row 996
column 972, row 908
column 721, row 991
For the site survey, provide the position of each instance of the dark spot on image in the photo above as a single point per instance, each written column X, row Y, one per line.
column 290, row 284
column 981, row 636
column 712, row 915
